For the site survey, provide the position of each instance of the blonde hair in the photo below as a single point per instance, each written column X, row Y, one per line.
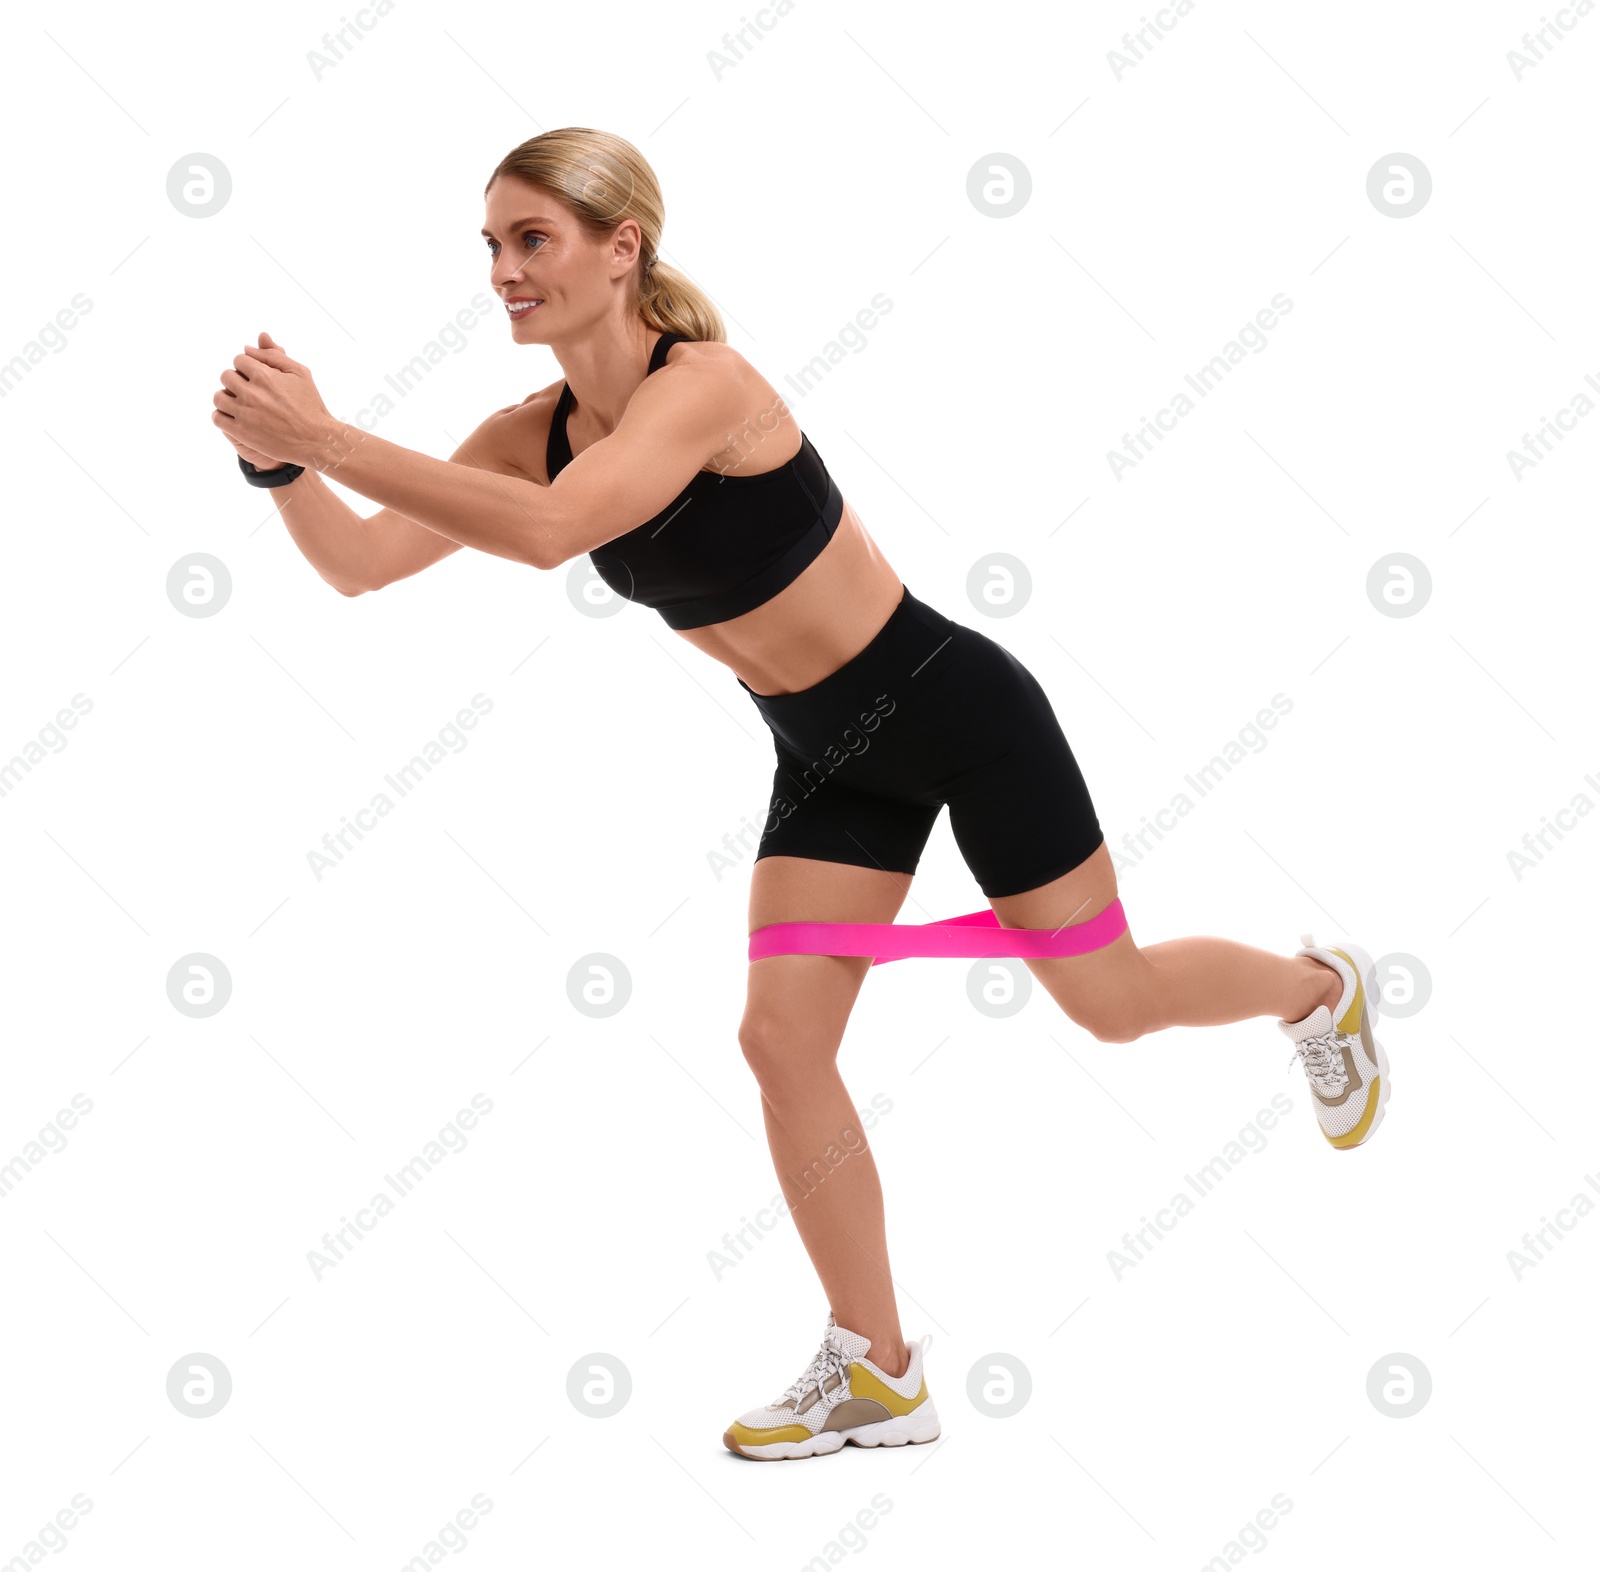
column 603, row 180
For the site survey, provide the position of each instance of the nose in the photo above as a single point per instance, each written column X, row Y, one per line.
column 501, row 275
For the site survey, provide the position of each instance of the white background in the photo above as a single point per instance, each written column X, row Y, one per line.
column 367, row 1007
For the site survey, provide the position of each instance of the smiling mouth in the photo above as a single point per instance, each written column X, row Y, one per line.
column 521, row 308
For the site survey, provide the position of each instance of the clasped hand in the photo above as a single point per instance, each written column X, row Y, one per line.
column 268, row 407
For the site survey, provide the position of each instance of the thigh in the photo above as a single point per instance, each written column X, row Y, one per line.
column 1022, row 816
column 1105, row 991
column 805, row 1000
column 1027, row 827
column 830, row 817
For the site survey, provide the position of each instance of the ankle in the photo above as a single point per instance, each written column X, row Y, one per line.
column 893, row 1358
column 1329, row 983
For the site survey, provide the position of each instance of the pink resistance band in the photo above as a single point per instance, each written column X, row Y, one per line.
column 975, row 934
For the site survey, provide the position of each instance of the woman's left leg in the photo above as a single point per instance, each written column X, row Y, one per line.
column 795, row 1015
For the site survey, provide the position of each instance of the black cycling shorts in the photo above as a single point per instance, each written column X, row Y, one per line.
column 930, row 712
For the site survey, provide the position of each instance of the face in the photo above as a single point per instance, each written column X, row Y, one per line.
column 553, row 277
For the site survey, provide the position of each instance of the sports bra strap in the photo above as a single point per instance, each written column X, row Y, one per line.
column 658, row 356
column 558, row 450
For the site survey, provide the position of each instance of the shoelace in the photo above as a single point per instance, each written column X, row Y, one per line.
column 1323, row 1061
column 828, row 1360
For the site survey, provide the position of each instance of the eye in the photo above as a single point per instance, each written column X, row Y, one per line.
column 494, row 246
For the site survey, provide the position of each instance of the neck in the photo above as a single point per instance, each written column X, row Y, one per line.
column 604, row 368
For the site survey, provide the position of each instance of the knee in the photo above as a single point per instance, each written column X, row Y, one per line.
column 1112, row 1021
column 769, row 1049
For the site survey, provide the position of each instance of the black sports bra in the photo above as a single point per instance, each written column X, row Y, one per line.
column 734, row 541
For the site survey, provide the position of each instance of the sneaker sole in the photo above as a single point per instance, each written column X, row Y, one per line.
column 917, row 1428
column 1365, row 969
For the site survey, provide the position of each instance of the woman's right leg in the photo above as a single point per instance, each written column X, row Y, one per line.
column 1125, row 991
column 796, row 1010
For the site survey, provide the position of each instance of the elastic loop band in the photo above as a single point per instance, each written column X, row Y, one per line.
column 976, row 934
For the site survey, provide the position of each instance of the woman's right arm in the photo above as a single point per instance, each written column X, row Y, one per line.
column 356, row 554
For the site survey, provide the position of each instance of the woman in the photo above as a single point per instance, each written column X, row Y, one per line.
column 672, row 462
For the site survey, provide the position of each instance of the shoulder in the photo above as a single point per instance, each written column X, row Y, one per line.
column 703, row 349
column 709, row 358
column 511, row 441
column 726, row 399
column 714, row 376
column 543, row 402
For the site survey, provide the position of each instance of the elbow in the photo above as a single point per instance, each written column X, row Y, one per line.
column 544, row 546
column 348, row 587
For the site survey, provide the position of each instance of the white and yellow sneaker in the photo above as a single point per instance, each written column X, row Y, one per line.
column 1345, row 1064
column 841, row 1396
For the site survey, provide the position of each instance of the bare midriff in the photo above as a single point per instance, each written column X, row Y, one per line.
column 810, row 628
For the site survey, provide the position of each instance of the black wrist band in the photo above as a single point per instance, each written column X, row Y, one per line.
column 270, row 477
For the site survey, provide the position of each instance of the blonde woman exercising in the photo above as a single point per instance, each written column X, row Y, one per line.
column 671, row 461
